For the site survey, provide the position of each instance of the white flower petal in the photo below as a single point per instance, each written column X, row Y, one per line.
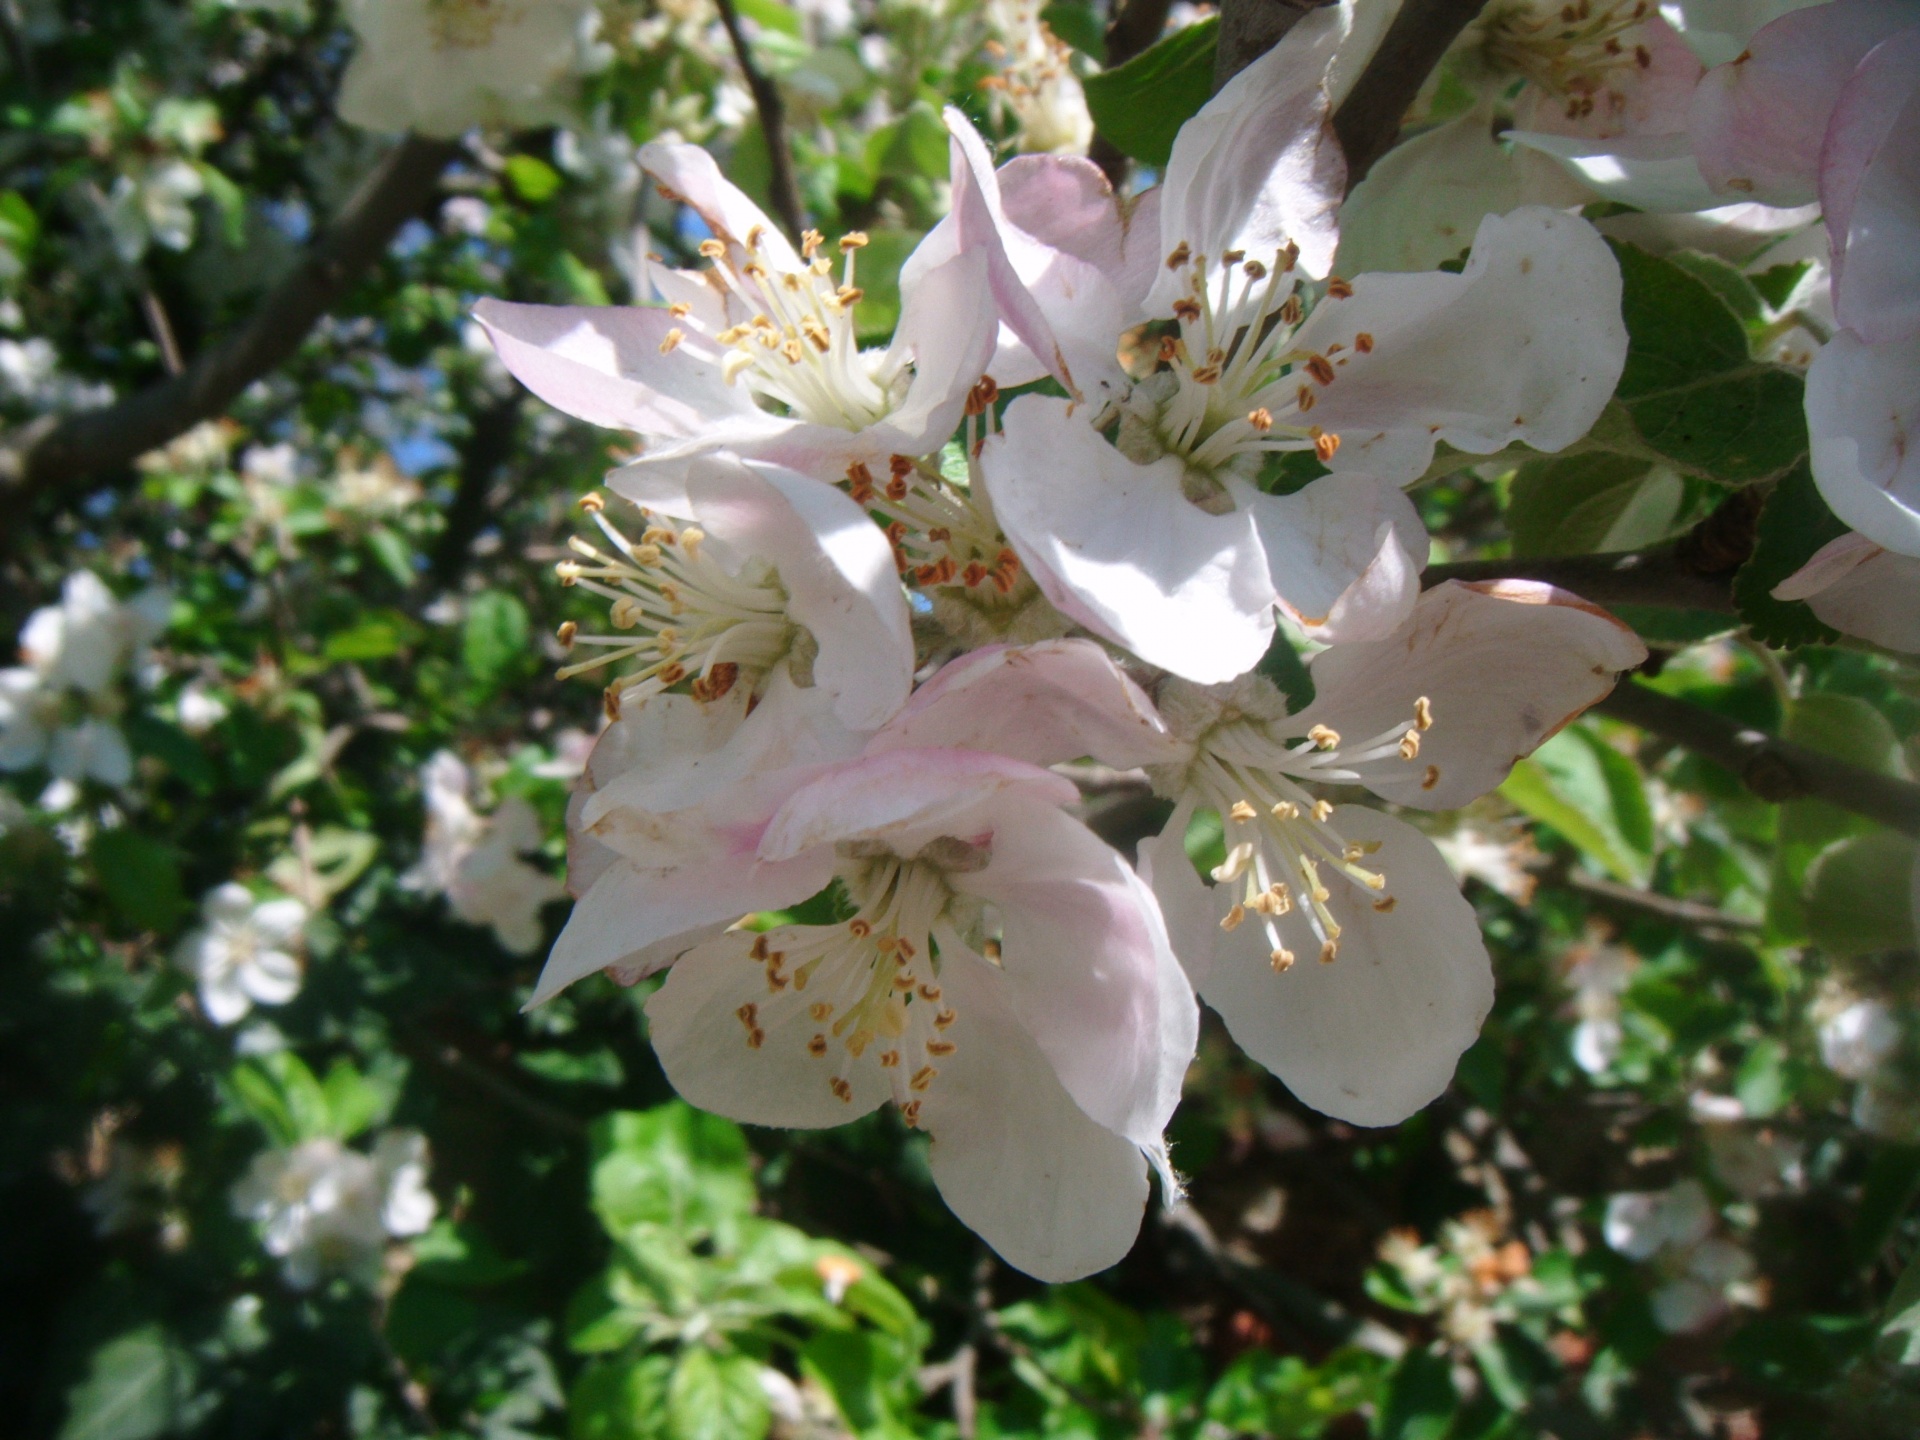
column 1862, row 590
column 1656, row 173
column 1870, row 187
column 1423, row 200
column 1504, row 664
column 271, row 977
column 1525, row 344
column 1259, row 166
column 1863, row 419
column 1345, row 555
column 708, row 1051
column 1044, row 703
column 1115, row 546
column 1055, row 1194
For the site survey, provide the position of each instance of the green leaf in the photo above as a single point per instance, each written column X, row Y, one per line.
column 716, row 1397
column 772, row 15
column 353, row 1102
column 1898, row 1345
column 1794, row 523
column 879, row 308
column 393, row 553
column 532, row 178
column 1729, row 284
column 176, row 750
column 135, row 1389
column 1141, row 105
column 141, row 878
column 1575, row 504
column 374, row 638
column 1859, row 895
column 1848, row 729
column 496, row 639
column 673, row 1166
column 1284, row 667
column 1593, row 796
column 620, row 1400
column 1420, row 1399
column 1695, row 393
column 1079, row 24
column 858, row 1369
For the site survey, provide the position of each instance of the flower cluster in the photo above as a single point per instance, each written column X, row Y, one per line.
column 59, row 711
column 841, row 654
column 325, row 1208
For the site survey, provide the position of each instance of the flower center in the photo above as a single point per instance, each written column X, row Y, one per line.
column 798, row 349
column 942, row 533
column 1233, row 386
column 1282, row 845
column 468, row 24
column 680, row 616
column 872, row 982
column 1576, row 52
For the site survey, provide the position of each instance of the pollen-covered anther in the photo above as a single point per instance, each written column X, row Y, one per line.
column 1242, row 812
column 1328, row 951
column 1169, row 349
column 944, row 1019
column 1363, row 342
column 1232, row 919
column 1320, row 368
column 922, row 1078
column 1385, row 904
column 1410, row 745
column 1187, row 310
column 1423, row 714
column 671, row 340
column 1326, row 446
column 981, row 397
column 939, row 1049
column 713, row 249
column 1338, row 289
column 1325, row 737
column 817, row 1046
column 1285, row 810
column 565, row 634
column 842, row 1091
column 1305, row 399
column 1207, row 375
column 889, row 1059
column 859, row 928
column 1323, row 810
column 1431, row 779
column 910, row 1113
column 1179, row 256
column 1261, row 419
column 593, row 502
column 1281, row 960
column 853, row 240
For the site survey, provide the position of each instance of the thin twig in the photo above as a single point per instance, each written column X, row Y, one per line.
column 97, row 443
column 162, row 328
column 1773, row 769
column 1664, row 907
column 1368, row 120
column 783, row 184
column 1658, row 575
column 1135, row 26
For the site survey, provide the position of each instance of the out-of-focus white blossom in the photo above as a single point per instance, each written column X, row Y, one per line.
column 197, row 708
column 1035, row 80
column 243, row 952
column 325, row 1209
column 1860, row 1039
column 475, row 861
column 153, row 206
column 1500, row 854
column 30, row 373
column 441, row 67
column 1702, row 1274
column 1596, row 976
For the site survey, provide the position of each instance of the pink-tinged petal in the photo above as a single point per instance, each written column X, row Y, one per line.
column 1657, row 173
column 1423, row 200
column 1188, row 906
column 1260, row 167
column 1861, row 590
column 1642, row 99
column 1758, row 123
column 691, row 175
column 1736, row 233
column 1524, row 344
column 947, row 328
column 759, row 1072
column 1044, row 703
column 906, row 798
column 602, row 364
column 1870, row 186
column 1062, row 310
column 1089, row 970
column 1503, row 664
column 641, row 920
column 1345, row 555
column 1056, row 1194
column 1375, row 1034
column 1066, row 202
column 1117, row 547
column 1863, row 421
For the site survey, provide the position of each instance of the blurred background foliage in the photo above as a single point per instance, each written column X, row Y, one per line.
column 1666, row 1195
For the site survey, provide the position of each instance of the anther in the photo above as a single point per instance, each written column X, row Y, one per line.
column 1328, row 951
column 1261, row 419
column 1231, row 921
column 1325, row 737
column 1181, row 254
column 712, row 249
column 853, row 240
column 889, row 1059
column 1282, row 961
column 841, row 1089
column 1325, row 447
column 593, row 502
column 1432, row 778
column 1410, row 745
column 1321, row 369
column 922, row 1078
column 981, row 397
column 671, row 341
column 1242, row 811
column 1422, row 714
column 1323, row 810
column 565, row 634
column 817, row 1046
column 1255, row 270
column 1363, row 342
column 1385, row 904
column 1338, row 289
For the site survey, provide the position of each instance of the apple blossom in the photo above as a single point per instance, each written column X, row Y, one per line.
column 441, row 67
column 1003, row 978
column 1034, row 80
column 1430, row 717
column 1860, row 589
column 1162, row 539
column 1702, row 1274
column 476, row 862
column 326, row 1209
column 244, row 952
column 759, row 354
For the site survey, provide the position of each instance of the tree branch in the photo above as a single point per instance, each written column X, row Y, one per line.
column 1250, row 28
column 1368, row 121
column 1660, row 575
column 43, row 457
column 782, row 183
column 1773, row 769
column 1136, row 24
